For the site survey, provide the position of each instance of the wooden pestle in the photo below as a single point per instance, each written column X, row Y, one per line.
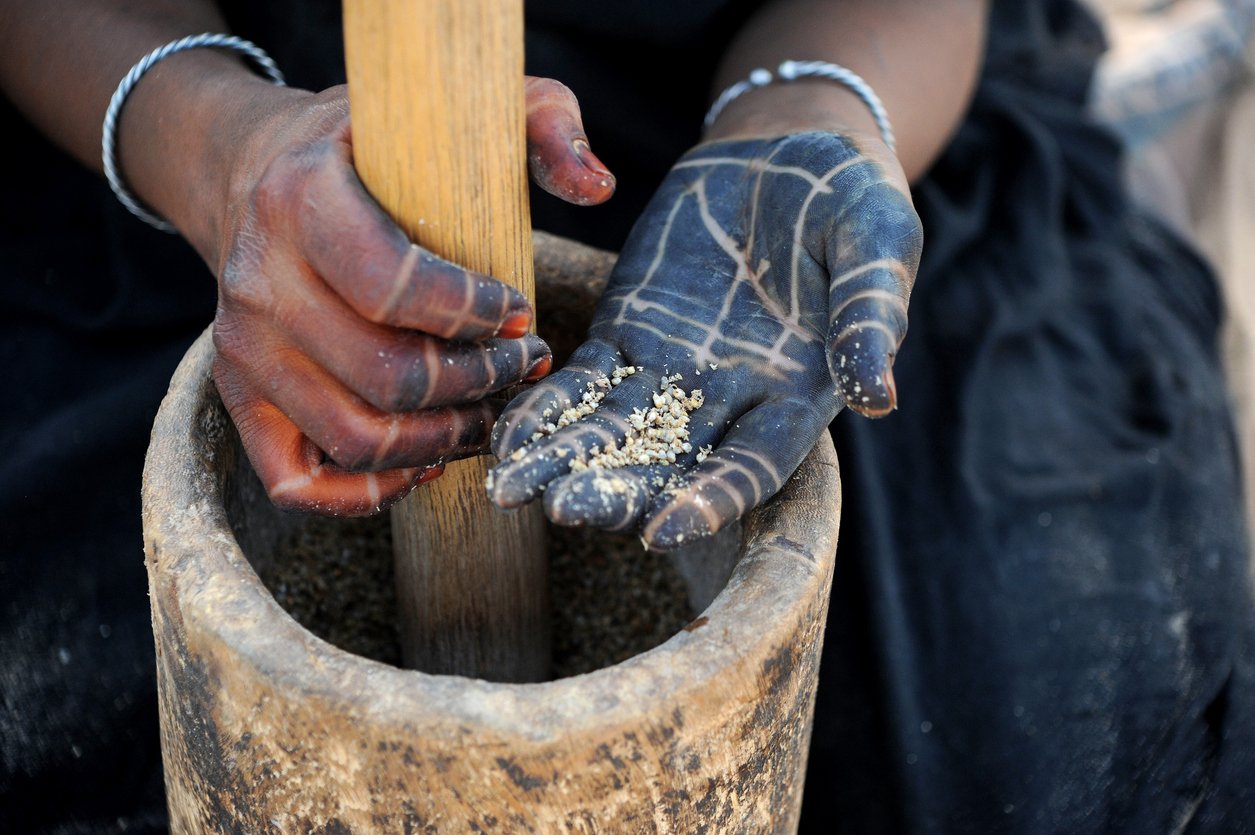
column 439, row 139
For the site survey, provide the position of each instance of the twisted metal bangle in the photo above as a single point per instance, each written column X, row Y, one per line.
column 108, row 143
column 793, row 70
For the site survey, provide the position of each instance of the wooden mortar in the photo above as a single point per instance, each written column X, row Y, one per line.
column 267, row 728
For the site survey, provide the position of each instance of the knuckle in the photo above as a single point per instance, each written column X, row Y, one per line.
column 548, row 91
column 391, row 398
column 281, row 186
column 330, row 113
column 352, row 445
column 867, row 315
column 235, row 396
column 897, row 222
column 809, row 410
column 379, row 385
column 233, row 340
column 241, row 281
column 289, row 499
column 511, row 432
column 401, row 392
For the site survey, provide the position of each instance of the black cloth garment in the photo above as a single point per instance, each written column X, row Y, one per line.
column 1041, row 620
column 95, row 312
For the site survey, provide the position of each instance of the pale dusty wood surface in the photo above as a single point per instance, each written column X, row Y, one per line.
column 266, row 728
column 436, row 92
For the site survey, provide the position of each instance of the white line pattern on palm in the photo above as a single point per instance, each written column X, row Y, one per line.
column 779, row 271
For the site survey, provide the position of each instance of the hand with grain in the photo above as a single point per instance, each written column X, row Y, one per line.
column 353, row 362
column 773, row 274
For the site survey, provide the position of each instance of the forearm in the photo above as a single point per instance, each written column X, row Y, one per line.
column 922, row 58
column 61, row 60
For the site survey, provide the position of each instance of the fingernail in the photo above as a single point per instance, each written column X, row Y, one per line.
column 516, row 324
column 431, row 474
column 538, row 369
column 590, row 161
column 891, row 388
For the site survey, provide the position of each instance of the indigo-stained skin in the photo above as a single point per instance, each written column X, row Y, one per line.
column 355, row 363
column 773, row 274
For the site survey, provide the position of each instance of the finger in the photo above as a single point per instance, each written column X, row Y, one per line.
column 543, row 404
column 558, row 156
column 354, row 434
column 295, row 472
column 399, row 370
column 759, row 451
column 356, row 248
column 424, row 372
column 872, row 270
column 614, row 500
column 868, row 323
column 529, row 470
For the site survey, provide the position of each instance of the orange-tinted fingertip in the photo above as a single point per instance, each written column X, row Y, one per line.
column 516, row 324
column 539, row 369
column 430, row 474
column 602, row 185
column 589, row 160
column 871, row 406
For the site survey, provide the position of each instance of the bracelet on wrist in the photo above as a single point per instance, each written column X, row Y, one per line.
column 793, row 70
column 108, row 143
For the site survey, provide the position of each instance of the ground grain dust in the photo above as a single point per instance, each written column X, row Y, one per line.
column 611, row 598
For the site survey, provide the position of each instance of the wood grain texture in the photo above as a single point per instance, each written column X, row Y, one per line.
column 439, row 138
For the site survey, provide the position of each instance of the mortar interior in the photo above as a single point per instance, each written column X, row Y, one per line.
column 610, row 598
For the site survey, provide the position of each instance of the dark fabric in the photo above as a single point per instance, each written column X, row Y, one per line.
column 95, row 311
column 1042, row 617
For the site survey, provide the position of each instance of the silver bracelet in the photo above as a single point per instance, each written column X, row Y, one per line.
column 108, row 143
column 793, row 70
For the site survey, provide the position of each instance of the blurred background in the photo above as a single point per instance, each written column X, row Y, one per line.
column 1178, row 84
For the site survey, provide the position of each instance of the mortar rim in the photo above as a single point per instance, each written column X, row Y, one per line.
column 226, row 599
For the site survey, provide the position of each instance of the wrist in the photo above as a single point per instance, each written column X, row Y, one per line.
column 801, row 106
column 180, row 131
column 921, row 59
column 805, row 104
